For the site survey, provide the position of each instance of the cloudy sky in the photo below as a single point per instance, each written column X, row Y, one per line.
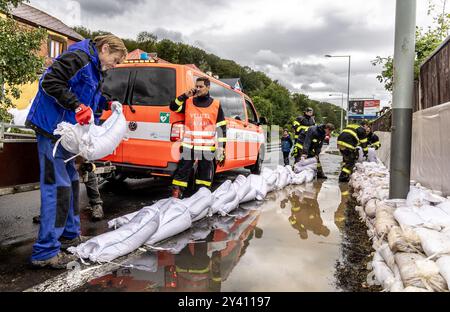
column 287, row 39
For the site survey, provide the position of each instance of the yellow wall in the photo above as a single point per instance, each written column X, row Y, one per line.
column 28, row 92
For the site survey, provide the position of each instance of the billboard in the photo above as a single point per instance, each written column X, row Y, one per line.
column 363, row 109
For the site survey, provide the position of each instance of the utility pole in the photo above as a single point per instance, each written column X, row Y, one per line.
column 402, row 104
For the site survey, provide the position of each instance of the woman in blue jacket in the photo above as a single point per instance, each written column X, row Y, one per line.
column 70, row 91
column 286, row 145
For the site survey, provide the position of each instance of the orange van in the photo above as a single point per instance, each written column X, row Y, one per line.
column 154, row 134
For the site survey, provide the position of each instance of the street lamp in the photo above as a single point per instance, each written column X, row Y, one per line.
column 342, row 109
column 348, row 84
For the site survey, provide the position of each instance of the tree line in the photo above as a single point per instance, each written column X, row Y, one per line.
column 272, row 100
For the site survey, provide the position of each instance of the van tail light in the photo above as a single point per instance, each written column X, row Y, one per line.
column 177, row 132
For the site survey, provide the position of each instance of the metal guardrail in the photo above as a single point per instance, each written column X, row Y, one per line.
column 11, row 137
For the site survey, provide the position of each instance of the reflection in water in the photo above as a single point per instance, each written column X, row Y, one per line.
column 305, row 212
column 199, row 259
column 339, row 215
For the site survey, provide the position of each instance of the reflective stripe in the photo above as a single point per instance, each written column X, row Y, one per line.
column 201, row 271
column 347, row 171
column 352, row 133
column 366, row 149
column 222, row 123
column 295, row 209
column 199, row 141
column 199, row 148
column 353, row 126
column 179, row 109
column 299, row 145
column 364, row 140
column 296, row 123
column 202, row 182
column 178, row 102
column 222, row 140
column 217, row 279
column 179, row 183
column 345, row 193
column 346, row 145
column 315, row 141
column 200, row 133
column 293, row 221
column 304, row 128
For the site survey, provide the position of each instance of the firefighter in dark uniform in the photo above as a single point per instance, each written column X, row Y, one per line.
column 373, row 141
column 351, row 137
column 300, row 127
column 312, row 145
column 204, row 137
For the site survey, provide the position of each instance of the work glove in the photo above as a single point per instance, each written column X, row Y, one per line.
column 220, row 156
column 83, row 114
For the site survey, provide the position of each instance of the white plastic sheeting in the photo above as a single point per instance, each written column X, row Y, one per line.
column 93, row 142
column 20, row 115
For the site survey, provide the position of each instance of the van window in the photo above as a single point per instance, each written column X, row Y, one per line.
column 150, row 86
column 251, row 113
column 230, row 101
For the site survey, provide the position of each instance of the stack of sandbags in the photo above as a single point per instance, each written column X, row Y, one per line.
column 404, row 232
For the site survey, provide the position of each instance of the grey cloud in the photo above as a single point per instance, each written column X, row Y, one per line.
column 267, row 57
column 108, row 7
column 163, row 33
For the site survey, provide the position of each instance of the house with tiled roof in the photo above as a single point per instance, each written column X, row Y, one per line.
column 60, row 37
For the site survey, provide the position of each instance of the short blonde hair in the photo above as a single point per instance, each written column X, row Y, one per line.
column 115, row 44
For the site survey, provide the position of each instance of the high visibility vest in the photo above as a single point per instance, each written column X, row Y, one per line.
column 200, row 126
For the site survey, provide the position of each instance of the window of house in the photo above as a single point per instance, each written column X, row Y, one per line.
column 56, row 46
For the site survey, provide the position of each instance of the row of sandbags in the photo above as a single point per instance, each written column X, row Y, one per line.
column 171, row 216
column 411, row 237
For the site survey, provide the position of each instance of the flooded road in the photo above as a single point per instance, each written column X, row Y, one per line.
column 289, row 242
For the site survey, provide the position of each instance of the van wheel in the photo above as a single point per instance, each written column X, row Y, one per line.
column 256, row 168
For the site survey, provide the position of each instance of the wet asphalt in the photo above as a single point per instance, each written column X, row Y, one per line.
column 289, row 242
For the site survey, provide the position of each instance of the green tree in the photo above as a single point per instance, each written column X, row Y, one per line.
column 5, row 5
column 426, row 42
column 19, row 60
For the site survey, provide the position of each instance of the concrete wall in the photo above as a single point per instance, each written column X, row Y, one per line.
column 430, row 161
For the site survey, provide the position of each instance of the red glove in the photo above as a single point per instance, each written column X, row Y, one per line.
column 83, row 114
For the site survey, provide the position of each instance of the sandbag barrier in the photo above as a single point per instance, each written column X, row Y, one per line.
column 411, row 237
column 171, row 216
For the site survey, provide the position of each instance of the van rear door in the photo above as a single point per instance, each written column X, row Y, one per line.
column 149, row 91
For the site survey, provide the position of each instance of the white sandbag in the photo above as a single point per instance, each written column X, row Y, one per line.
column 417, row 271
column 129, row 237
column 360, row 154
column 174, row 218
column 433, row 242
column 387, row 255
column 258, row 183
column 407, row 216
column 305, row 164
column 445, row 206
column 244, row 190
column 404, row 240
column 308, row 161
column 309, row 176
column 444, row 268
column 118, row 222
column 433, row 215
column 383, row 274
column 415, row 289
column 283, row 178
column 417, row 197
column 371, row 207
column 271, row 178
column 93, row 142
column 372, row 155
column 225, row 199
column 299, row 178
column 199, row 204
column 384, row 220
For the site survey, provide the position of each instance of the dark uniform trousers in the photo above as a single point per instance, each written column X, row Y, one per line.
column 205, row 167
column 349, row 157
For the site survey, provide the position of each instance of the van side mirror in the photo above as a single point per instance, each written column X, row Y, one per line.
column 262, row 120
